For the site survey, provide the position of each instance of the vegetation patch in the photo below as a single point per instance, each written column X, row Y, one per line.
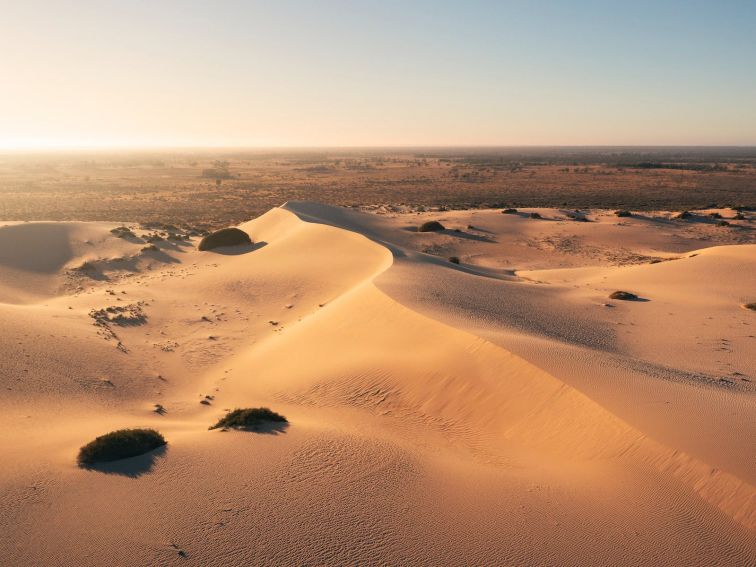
column 683, row 215
column 224, row 237
column 121, row 444
column 750, row 306
column 535, row 216
column 131, row 314
column 86, row 266
column 123, row 232
column 125, row 315
column 623, row 295
column 454, row 259
column 430, row 226
column 509, row 212
column 218, row 171
column 623, row 213
column 249, row 418
column 577, row 216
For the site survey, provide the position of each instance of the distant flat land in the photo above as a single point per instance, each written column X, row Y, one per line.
column 222, row 187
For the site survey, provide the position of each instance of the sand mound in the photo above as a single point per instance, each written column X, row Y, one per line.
column 35, row 257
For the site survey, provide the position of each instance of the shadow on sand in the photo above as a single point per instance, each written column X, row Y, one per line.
column 238, row 249
column 469, row 236
column 267, row 428
column 133, row 467
column 636, row 299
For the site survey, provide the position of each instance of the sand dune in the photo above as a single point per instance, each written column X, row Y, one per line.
column 491, row 412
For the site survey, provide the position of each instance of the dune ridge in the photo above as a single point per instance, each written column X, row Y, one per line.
column 561, row 408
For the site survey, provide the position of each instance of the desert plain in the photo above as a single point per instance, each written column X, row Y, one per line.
column 470, row 395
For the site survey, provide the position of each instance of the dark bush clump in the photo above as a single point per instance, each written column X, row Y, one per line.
column 454, row 259
column 509, row 212
column 623, row 213
column 535, row 216
column 249, row 418
column 577, row 216
column 123, row 232
column 430, row 226
column 683, row 215
column 623, row 295
column 723, row 223
column 750, row 306
column 120, row 444
column 224, row 237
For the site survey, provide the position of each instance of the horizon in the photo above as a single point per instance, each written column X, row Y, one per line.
column 410, row 147
column 103, row 75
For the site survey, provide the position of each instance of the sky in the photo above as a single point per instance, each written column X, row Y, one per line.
column 276, row 73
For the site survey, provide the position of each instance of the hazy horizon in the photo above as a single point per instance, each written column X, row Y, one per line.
column 365, row 148
column 296, row 75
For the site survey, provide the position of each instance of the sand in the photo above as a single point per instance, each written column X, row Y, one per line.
column 503, row 411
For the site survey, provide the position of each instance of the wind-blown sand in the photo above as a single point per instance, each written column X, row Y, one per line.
column 503, row 411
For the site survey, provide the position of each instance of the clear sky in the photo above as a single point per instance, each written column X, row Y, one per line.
column 376, row 73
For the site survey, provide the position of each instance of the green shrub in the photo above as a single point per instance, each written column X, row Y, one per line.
column 120, row 444
column 224, row 237
column 430, row 226
column 249, row 418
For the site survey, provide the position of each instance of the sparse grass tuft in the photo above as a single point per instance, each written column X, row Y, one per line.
column 120, row 444
column 430, row 226
column 249, row 418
